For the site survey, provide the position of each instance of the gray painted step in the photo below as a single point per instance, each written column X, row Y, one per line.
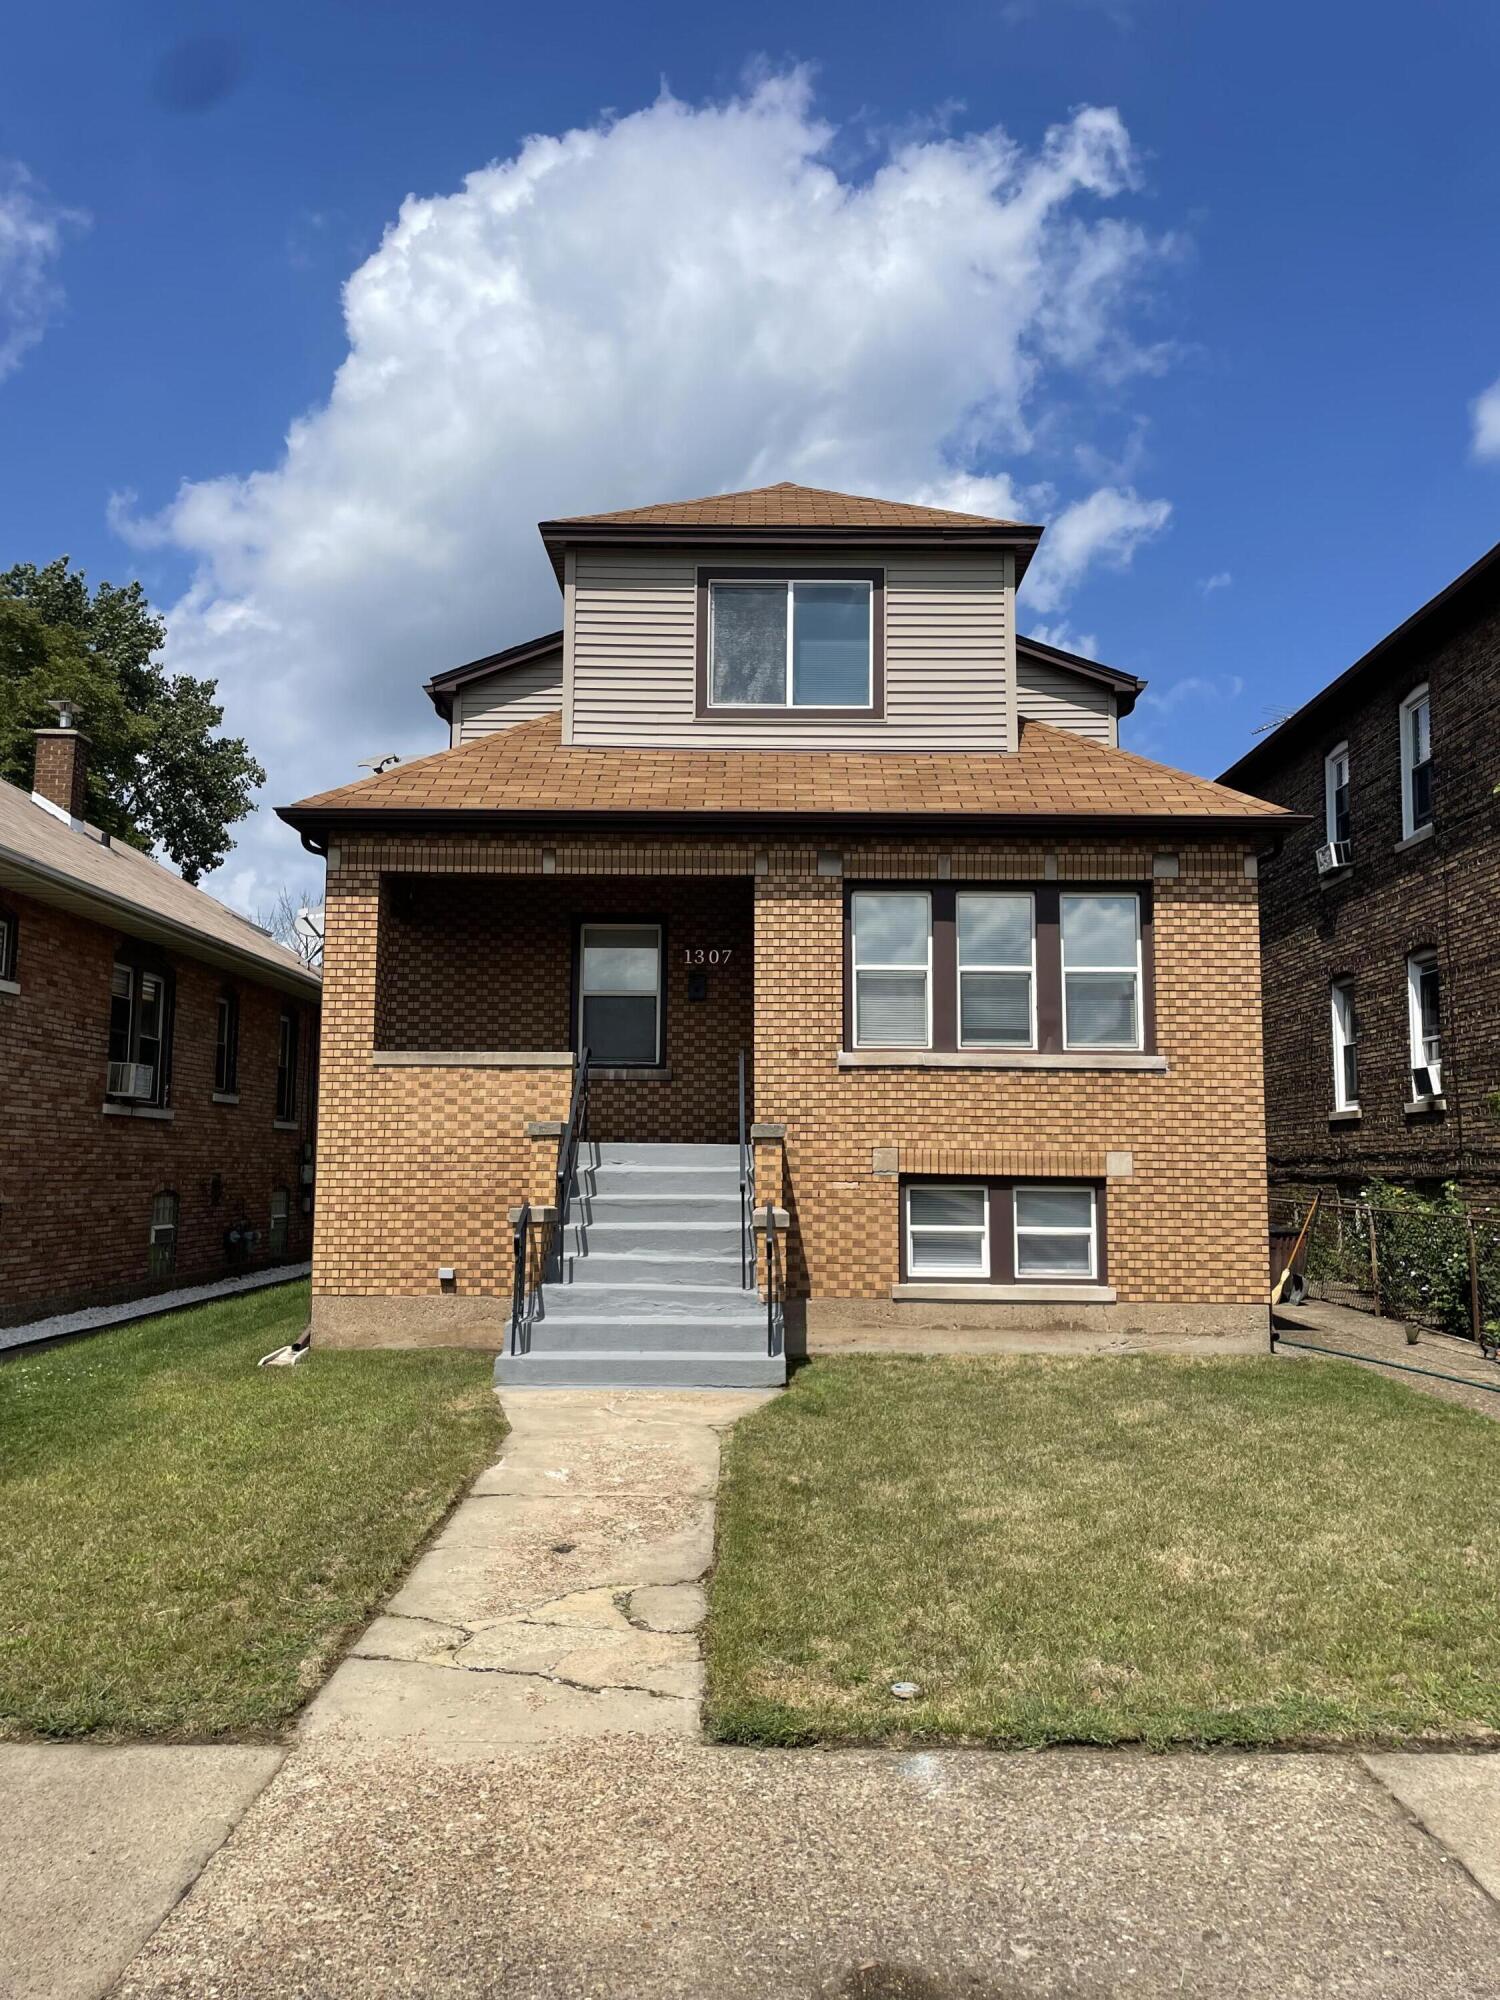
column 641, row 1267
column 598, row 1334
column 641, row 1369
column 644, row 1207
column 684, row 1182
column 632, row 1153
column 617, row 1238
column 582, row 1300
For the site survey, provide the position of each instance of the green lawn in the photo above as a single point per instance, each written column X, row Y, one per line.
column 186, row 1540
column 1100, row 1551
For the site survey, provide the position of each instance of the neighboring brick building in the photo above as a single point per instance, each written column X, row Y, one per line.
column 1380, row 917
column 158, row 1058
column 787, row 783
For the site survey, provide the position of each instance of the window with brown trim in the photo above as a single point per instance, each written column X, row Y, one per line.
column 140, row 1033
column 227, row 1043
column 9, row 937
column 286, row 1068
column 792, row 642
column 1042, row 967
column 1002, row 1232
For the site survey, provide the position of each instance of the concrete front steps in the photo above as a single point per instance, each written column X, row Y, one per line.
column 647, row 1293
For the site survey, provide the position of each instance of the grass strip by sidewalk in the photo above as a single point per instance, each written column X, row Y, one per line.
column 188, row 1539
column 1152, row 1549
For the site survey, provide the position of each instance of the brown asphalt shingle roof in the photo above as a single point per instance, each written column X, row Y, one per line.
column 43, row 856
column 785, row 505
column 528, row 769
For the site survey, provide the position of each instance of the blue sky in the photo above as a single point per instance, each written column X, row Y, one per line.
column 1228, row 329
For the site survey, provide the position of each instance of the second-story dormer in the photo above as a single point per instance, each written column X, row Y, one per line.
column 787, row 617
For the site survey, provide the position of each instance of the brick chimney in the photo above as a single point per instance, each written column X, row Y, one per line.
column 62, row 762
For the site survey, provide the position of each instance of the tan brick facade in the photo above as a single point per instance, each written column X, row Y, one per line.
column 419, row 1162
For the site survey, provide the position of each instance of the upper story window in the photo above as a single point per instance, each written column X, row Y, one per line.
column 1004, row 968
column 1424, row 1012
column 9, row 938
column 227, row 1043
column 1336, row 796
column 140, row 1034
column 1416, row 762
column 796, row 642
column 286, row 1069
column 1345, row 1047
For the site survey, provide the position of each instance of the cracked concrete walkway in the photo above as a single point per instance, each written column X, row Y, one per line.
column 503, row 1792
column 563, row 1596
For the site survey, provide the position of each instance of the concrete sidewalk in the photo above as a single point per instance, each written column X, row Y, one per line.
column 503, row 1792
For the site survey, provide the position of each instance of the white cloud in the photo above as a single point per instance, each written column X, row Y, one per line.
column 1220, row 580
column 680, row 301
column 1107, row 527
column 1485, row 412
column 32, row 228
column 1058, row 632
column 1193, row 688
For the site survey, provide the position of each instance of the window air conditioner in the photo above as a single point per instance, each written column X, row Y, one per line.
column 1333, row 854
column 134, row 1080
column 1427, row 1080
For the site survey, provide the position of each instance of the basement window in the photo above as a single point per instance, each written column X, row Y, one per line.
column 162, row 1256
column 1002, row 1232
column 281, row 1209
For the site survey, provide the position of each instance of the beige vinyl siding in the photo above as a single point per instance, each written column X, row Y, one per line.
column 515, row 694
column 948, row 651
column 1046, row 693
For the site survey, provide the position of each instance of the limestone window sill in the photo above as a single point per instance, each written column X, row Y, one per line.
column 10, row 985
column 473, row 1058
column 1019, row 1295
column 112, row 1109
column 1420, row 1106
column 1333, row 878
column 226, row 1097
column 1350, row 1115
column 1414, row 839
column 285, row 1125
column 1062, row 1059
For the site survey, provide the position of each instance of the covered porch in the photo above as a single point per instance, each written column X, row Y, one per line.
column 654, row 975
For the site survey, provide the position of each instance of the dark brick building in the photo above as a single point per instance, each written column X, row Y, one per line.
column 1380, row 918
column 158, row 1058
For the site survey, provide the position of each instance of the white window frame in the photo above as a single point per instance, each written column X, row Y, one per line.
column 1418, row 962
column 1420, row 697
column 8, row 940
column 587, row 929
column 948, row 1273
column 960, row 967
column 1344, row 1019
column 1081, row 895
column 793, row 583
column 857, row 966
column 1092, row 1232
column 170, row 1226
column 1339, row 754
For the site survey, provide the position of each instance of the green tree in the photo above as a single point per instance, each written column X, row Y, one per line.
column 158, row 776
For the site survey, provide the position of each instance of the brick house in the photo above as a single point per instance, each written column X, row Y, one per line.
column 158, row 1056
column 786, row 785
column 1379, row 926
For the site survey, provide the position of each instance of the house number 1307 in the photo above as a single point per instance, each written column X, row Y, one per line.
column 702, row 955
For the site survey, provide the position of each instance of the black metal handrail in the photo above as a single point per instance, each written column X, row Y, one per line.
column 547, row 1254
column 575, row 1134
column 775, row 1286
column 747, row 1173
